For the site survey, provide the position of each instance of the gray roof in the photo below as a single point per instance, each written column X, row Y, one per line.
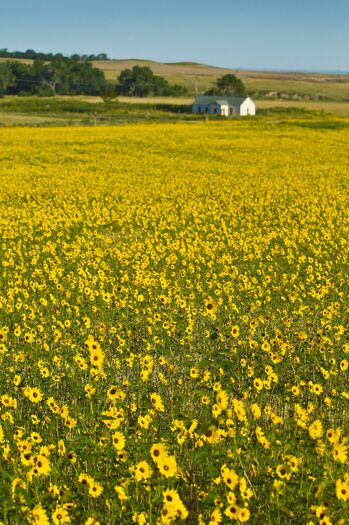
column 219, row 99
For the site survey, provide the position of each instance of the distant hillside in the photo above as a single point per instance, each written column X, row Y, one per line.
column 262, row 85
column 197, row 78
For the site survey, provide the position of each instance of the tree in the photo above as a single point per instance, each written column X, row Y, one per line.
column 229, row 85
column 30, row 53
column 102, row 56
column 62, row 75
column 7, row 78
column 141, row 82
column 55, row 74
column 108, row 94
column 136, row 82
column 24, row 78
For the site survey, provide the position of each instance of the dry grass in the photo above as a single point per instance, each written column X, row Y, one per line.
column 22, row 60
column 130, row 100
column 337, row 108
column 156, row 100
column 114, row 67
column 197, row 78
column 10, row 119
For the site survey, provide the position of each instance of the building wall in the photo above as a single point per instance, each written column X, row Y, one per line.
column 247, row 108
column 224, row 110
column 201, row 108
column 212, row 109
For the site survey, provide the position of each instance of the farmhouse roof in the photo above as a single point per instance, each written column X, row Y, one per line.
column 218, row 99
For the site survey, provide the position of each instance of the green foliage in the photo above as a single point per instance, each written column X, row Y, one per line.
column 205, row 264
column 33, row 105
column 141, row 82
column 229, row 85
column 32, row 55
column 64, row 76
column 305, row 118
column 30, row 110
column 289, row 111
column 6, row 78
column 108, row 94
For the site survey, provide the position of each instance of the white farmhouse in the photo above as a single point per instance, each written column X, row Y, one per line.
column 225, row 106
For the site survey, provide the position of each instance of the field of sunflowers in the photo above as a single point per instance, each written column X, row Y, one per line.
column 174, row 308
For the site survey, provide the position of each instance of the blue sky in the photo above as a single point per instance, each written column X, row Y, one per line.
column 266, row 34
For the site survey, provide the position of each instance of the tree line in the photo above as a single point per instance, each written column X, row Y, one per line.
column 60, row 75
column 142, row 82
column 30, row 54
column 69, row 76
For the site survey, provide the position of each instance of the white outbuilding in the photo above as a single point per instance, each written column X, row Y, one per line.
column 225, row 106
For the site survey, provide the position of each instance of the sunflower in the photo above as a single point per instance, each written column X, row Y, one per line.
column 339, row 453
column 96, row 357
column 243, row 514
column 115, row 392
column 95, row 489
column 167, row 466
column 60, row 516
column 92, row 521
column 283, row 471
column 232, row 512
column 38, row 516
column 173, row 506
column 170, row 496
column 33, row 394
column 333, row 435
column 222, row 399
column 158, row 451
column 85, row 479
column 261, row 438
column 61, row 447
column 212, row 435
column 215, row 516
column 120, row 491
column 258, row 384
column 235, row 331
column 194, row 372
column 53, row 405
column 142, row 471
column 315, row 429
column 40, row 465
column 118, row 439
column 230, row 478
column 157, row 402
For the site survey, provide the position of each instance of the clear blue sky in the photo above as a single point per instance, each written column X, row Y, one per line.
column 267, row 34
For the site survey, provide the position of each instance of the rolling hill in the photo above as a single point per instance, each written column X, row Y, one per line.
column 197, row 78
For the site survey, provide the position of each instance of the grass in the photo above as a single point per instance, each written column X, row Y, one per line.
column 34, row 111
column 337, row 108
column 327, row 89
column 53, row 111
column 197, row 78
